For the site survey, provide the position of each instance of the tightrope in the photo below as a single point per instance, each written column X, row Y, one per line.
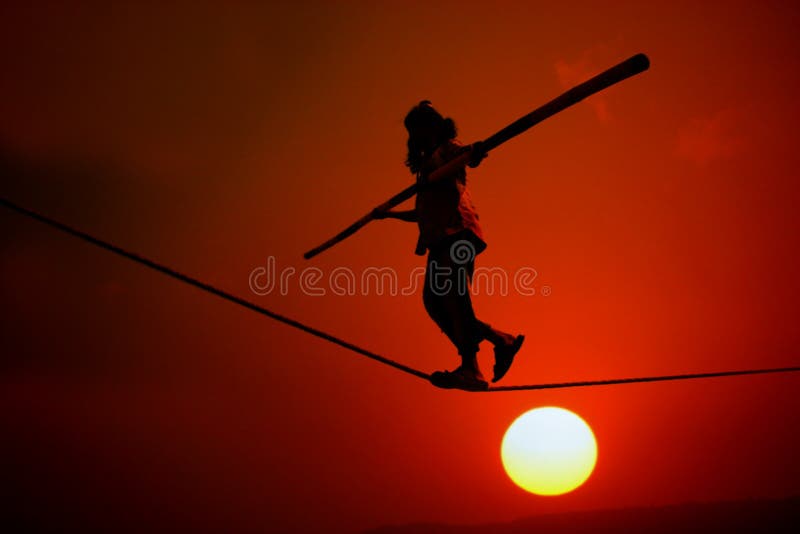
column 342, row 343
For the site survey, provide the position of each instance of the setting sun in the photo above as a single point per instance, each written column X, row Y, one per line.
column 549, row 451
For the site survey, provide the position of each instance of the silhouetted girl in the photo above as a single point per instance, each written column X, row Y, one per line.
column 451, row 235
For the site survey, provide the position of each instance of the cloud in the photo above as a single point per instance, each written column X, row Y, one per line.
column 706, row 139
column 573, row 73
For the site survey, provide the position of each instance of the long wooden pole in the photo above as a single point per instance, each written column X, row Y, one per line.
column 630, row 67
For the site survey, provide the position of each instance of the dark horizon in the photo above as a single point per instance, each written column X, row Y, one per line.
column 750, row 515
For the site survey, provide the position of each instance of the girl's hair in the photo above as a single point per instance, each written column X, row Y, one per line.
column 424, row 116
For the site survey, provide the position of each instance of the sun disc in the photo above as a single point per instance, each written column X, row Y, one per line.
column 549, row 451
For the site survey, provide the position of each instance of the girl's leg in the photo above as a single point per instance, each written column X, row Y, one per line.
column 451, row 312
column 506, row 346
column 493, row 335
column 432, row 299
column 466, row 331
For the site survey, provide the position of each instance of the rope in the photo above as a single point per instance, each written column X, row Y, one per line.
column 638, row 380
column 333, row 339
column 210, row 289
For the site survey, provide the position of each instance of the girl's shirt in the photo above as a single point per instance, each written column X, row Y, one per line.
column 444, row 209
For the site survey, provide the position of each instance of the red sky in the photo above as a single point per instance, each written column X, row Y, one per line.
column 661, row 214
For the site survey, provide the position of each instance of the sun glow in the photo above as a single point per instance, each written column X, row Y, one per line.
column 549, row 451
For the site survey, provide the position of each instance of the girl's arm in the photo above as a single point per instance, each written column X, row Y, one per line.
column 406, row 215
column 450, row 169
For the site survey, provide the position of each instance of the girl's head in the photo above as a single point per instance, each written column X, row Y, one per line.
column 427, row 129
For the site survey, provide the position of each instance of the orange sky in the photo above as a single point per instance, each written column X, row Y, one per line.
column 661, row 213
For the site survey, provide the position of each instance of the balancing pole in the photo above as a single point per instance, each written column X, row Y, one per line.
column 630, row 67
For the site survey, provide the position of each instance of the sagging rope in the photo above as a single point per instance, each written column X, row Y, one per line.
column 333, row 339
column 207, row 287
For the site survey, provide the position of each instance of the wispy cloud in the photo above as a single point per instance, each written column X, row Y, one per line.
column 591, row 62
